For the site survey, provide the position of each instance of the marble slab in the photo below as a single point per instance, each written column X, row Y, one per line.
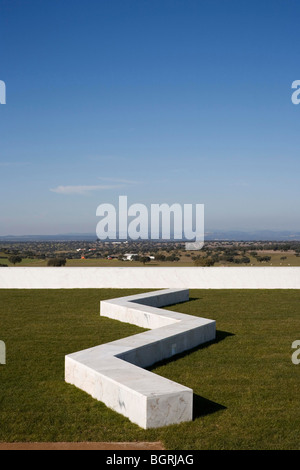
column 114, row 373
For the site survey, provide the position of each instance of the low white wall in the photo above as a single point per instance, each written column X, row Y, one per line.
column 151, row 278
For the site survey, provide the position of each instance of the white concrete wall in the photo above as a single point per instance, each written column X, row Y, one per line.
column 151, row 278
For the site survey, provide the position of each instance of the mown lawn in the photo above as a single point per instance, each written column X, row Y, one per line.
column 245, row 384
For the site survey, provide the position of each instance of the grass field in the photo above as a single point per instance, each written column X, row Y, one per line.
column 290, row 260
column 93, row 262
column 245, row 384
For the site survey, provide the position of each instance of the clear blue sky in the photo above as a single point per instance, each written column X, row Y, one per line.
column 184, row 101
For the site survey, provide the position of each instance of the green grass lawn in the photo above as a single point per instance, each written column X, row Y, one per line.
column 245, row 384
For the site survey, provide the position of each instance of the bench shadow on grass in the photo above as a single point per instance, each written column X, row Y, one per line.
column 201, row 406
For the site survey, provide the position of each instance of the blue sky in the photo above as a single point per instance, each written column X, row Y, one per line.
column 185, row 101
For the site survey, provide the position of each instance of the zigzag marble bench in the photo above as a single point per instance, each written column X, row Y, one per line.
column 114, row 373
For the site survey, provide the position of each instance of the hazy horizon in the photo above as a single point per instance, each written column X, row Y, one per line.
column 234, row 235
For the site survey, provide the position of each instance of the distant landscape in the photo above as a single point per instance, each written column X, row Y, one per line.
column 93, row 253
column 213, row 235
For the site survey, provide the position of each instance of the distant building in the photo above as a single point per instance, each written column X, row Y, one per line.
column 129, row 256
column 132, row 256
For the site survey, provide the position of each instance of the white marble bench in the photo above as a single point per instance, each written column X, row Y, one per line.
column 114, row 372
column 2, row 352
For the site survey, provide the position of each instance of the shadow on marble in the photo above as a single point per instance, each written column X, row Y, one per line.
column 220, row 336
column 201, row 406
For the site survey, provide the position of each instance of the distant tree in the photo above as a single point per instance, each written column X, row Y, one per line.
column 215, row 257
column 253, row 253
column 15, row 259
column 57, row 262
column 144, row 259
column 172, row 258
column 263, row 258
column 229, row 258
column 205, row 262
